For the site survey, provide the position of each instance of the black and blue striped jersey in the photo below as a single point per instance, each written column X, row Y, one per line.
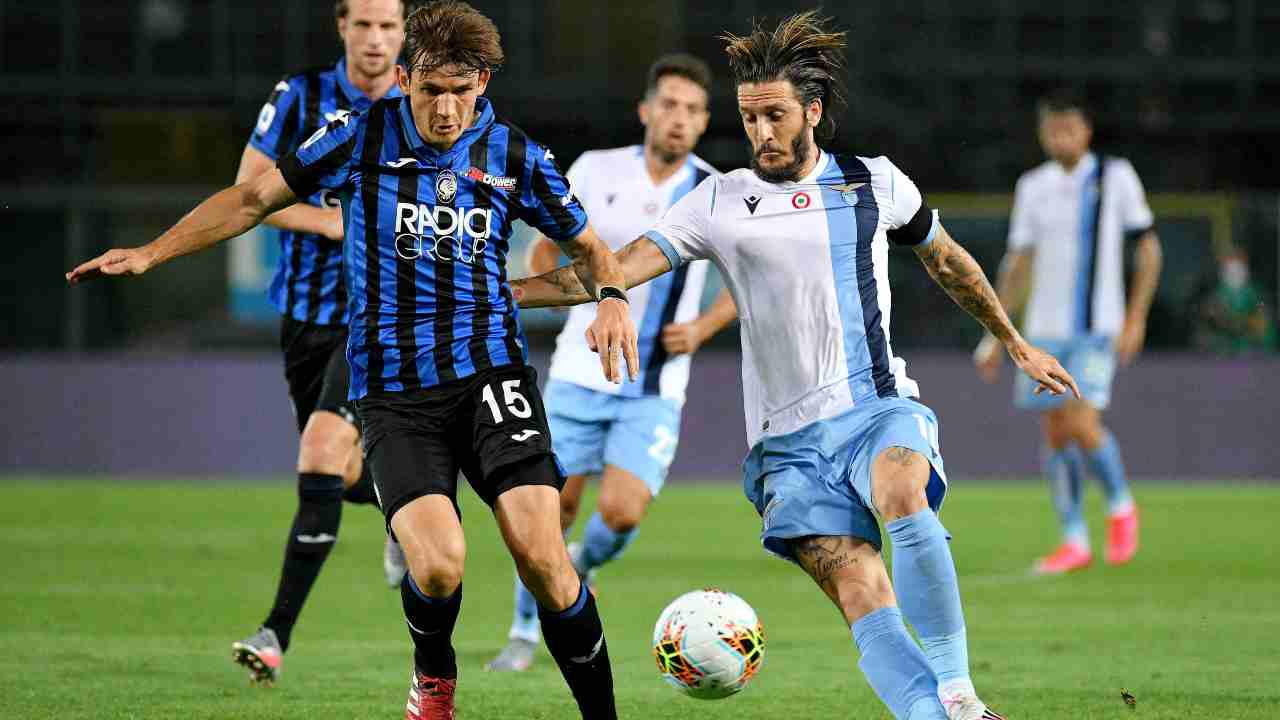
column 427, row 239
column 307, row 284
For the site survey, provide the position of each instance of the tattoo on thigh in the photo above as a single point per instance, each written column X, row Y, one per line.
column 822, row 557
column 900, row 456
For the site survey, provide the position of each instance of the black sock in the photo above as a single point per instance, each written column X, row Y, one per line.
column 575, row 638
column 361, row 493
column 431, row 622
column 314, row 531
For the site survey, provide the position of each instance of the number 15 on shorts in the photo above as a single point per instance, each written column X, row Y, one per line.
column 505, row 401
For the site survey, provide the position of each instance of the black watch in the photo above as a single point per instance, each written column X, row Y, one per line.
column 609, row 291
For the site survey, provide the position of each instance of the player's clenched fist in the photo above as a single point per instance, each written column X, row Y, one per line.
column 127, row 261
column 613, row 332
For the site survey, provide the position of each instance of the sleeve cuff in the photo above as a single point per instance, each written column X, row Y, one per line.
column 933, row 230
column 575, row 232
column 262, row 147
column 295, row 176
column 666, row 247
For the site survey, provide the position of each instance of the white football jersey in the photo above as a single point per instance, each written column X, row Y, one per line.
column 807, row 263
column 620, row 198
column 1077, row 277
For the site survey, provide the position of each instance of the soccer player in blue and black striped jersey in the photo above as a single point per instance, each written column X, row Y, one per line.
column 430, row 185
column 309, row 292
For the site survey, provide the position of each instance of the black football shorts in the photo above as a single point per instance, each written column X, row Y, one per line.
column 491, row 426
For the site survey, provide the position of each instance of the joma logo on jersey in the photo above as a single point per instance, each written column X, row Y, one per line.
column 442, row 233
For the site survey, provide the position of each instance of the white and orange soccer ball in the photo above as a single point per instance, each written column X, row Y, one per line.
column 708, row 644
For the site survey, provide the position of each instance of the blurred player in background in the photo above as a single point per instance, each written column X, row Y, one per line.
column 309, row 291
column 837, row 437
column 627, row 433
column 431, row 184
column 1071, row 217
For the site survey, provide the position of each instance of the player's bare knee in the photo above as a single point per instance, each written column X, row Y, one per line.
column 326, row 445
column 569, row 505
column 540, row 564
column 621, row 514
column 861, row 595
column 898, row 480
column 437, row 572
column 1057, row 429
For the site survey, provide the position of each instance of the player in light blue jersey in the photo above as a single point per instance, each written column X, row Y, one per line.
column 626, row 434
column 1071, row 218
column 838, row 441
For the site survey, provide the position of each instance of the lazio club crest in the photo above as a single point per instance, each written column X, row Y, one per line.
column 446, row 186
column 848, row 192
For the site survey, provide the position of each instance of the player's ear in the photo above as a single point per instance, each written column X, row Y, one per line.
column 642, row 110
column 402, row 79
column 813, row 112
column 342, row 28
column 482, row 80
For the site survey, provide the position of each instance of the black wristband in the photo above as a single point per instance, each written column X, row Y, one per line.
column 609, row 291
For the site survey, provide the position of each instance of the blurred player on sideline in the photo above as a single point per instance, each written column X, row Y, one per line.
column 627, row 434
column 837, row 438
column 311, row 295
column 1071, row 217
column 431, row 184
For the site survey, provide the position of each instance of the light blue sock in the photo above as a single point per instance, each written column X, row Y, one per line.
column 924, row 577
column 1065, row 469
column 600, row 544
column 524, row 622
column 1105, row 462
column 895, row 667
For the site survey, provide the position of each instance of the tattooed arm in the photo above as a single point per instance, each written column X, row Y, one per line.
column 962, row 277
column 641, row 261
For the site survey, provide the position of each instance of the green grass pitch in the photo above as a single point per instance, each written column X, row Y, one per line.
column 121, row 600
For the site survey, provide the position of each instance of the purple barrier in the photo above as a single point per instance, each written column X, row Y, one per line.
column 215, row 414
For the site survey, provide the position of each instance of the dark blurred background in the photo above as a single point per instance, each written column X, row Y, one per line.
column 117, row 117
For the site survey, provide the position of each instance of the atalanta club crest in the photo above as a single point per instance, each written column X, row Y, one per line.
column 446, row 186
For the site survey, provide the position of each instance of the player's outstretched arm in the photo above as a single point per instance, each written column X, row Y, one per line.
column 303, row 218
column 680, row 338
column 1012, row 284
column 224, row 215
column 1148, row 258
column 613, row 330
column 962, row 277
column 641, row 260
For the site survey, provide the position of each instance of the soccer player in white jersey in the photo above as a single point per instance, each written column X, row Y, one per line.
column 838, row 440
column 1071, row 216
column 626, row 434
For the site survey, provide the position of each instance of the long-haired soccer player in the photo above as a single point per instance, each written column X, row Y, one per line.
column 627, row 434
column 431, row 184
column 309, row 292
column 838, row 440
column 1067, row 233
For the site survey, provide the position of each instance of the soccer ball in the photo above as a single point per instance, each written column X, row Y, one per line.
column 708, row 644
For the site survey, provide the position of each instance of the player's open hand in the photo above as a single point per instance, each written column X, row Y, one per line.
column 126, row 261
column 681, row 338
column 988, row 357
column 1044, row 369
column 613, row 333
column 1130, row 341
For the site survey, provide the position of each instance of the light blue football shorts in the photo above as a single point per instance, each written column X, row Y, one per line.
column 591, row 429
column 817, row 480
column 1091, row 360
